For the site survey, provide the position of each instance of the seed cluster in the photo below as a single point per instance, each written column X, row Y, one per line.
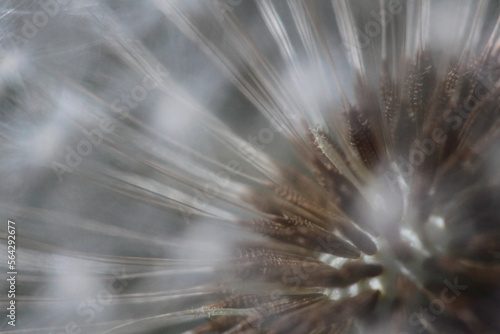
column 429, row 131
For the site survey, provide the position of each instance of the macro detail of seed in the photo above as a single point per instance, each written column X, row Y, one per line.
column 250, row 166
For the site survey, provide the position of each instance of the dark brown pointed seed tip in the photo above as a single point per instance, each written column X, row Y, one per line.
column 357, row 271
column 366, row 302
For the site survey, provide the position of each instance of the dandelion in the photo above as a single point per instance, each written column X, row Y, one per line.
column 251, row 166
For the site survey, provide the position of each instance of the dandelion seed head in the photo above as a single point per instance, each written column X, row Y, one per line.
column 254, row 166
